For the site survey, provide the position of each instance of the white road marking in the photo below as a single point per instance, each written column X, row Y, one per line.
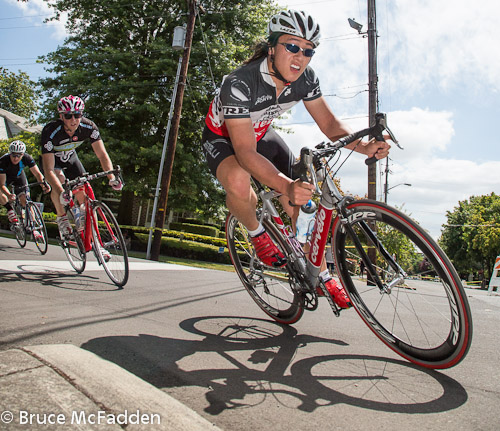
column 40, row 266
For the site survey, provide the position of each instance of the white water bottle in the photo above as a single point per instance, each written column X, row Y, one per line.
column 305, row 221
column 79, row 218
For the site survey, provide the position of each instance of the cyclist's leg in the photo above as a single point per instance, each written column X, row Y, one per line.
column 4, row 200
column 22, row 181
column 65, row 167
column 241, row 199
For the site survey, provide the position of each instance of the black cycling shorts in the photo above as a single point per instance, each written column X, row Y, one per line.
column 72, row 167
column 271, row 146
column 19, row 181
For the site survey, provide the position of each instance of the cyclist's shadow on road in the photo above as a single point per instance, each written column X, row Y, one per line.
column 241, row 362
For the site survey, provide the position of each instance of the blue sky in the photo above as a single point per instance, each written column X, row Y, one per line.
column 439, row 84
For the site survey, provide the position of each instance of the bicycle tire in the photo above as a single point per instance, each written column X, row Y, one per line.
column 271, row 288
column 73, row 246
column 38, row 225
column 425, row 317
column 112, row 250
column 19, row 227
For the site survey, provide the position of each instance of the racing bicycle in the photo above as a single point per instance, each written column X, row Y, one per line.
column 30, row 219
column 412, row 298
column 94, row 228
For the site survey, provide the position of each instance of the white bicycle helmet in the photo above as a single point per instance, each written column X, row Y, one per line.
column 18, row 147
column 298, row 23
column 70, row 104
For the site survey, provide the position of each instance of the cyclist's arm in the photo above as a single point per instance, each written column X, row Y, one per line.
column 102, row 155
column 242, row 137
column 37, row 174
column 334, row 129
column 3, row 187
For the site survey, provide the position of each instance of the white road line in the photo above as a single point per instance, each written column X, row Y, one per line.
column 33, row 266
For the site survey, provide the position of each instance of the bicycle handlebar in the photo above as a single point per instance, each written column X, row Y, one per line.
column 70, row 184
column 27, row 186
column 309, row 156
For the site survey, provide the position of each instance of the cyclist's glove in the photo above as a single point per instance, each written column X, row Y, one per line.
column 116, row 184
column 65, row 198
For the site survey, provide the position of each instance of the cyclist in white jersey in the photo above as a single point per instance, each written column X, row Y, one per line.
column 239, row 142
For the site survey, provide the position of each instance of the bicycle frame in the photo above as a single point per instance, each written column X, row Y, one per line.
column 86, row 233
column 331, row 200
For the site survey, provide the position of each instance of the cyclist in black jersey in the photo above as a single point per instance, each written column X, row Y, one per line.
column 60, row 139
column 12, row 167
column 238, row 139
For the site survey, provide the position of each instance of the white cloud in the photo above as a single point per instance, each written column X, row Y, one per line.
column 443, row 43
column 437, row 183
column 36, row 11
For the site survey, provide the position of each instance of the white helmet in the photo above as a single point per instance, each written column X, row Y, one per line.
column 17, row 147
column 70, row 104
column 298, row 23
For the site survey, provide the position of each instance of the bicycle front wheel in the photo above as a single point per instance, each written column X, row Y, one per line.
column 38, row 228
column 273, row 289
column 420, row 310
column 19, row 228
column 73, row 246
column 109, row 245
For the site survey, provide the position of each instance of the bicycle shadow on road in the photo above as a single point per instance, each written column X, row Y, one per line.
column 60, row 280
column 243, row 363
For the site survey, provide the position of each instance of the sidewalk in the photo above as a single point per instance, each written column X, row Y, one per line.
column 62, row 387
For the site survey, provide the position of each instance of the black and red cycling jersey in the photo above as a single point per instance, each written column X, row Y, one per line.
column 56, row 140
column 249, row 92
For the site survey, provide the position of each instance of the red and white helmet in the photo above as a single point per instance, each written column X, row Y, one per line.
column 297, row 23
column 70, row 104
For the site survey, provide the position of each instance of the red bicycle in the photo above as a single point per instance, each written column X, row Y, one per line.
column 412, row 298
column 95, row 228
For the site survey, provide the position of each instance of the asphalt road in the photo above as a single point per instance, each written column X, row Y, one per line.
column 197, row 335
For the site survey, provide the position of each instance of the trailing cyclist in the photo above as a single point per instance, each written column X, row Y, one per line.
column 12, row 167
column 239, row 141
column 60, row 138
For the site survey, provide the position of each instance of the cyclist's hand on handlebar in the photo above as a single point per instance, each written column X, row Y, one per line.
column 11, row 196
column 116, row 184
column 377, row 149
column 299, row 192
column 46, row 187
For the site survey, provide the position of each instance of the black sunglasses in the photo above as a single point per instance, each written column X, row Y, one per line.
column 294, row 49
column 16, row 154
column 68, row 116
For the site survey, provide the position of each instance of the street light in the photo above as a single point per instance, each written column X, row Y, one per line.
column 386, row 191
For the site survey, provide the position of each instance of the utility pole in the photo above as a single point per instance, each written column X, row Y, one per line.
column 172, row 138
column 372, row 89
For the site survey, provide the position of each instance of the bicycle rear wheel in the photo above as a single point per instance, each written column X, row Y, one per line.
column 38, row 228
column 19, row 229
column 73, row 246
column 422, row 312
column 109, row 245
column 273, row 289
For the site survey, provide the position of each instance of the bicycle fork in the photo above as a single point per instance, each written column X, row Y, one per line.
column 377, row 245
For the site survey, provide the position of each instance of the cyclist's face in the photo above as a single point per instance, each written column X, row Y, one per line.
column 291, row 65
column 71, row 123
column 15, row 158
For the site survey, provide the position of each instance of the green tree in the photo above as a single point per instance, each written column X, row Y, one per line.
column 471, row 238
column 18, row 94
column 120, row 58
column 32, row 141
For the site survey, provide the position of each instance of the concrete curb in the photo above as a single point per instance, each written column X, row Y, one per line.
column 78, row 382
